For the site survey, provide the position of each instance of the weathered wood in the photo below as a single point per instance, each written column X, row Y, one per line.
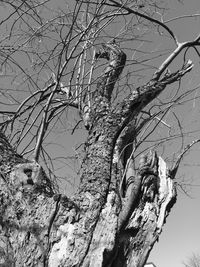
column 40, row 228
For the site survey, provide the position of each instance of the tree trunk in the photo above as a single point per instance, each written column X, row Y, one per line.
column 40, row 228
column 118, row 212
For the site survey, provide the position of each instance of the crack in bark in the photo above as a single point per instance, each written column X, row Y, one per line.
column 57, row 198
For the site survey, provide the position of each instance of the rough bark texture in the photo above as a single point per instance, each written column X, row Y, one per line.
column 97, row 226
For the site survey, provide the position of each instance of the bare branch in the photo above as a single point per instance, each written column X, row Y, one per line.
column 174, row 169
column 131, row 11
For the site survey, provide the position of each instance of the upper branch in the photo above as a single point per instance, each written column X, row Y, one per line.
column 117, row 60
column 174, row 54
column 180, row 46
column 105, row 83
column 142, row 96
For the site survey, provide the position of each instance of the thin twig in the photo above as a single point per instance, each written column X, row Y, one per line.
column 131, row 11
column 174, row 169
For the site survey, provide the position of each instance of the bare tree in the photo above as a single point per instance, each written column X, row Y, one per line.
column 70, row 63
column 194, row 261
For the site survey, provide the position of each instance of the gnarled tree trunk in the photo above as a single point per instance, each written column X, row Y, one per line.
column 118, row 212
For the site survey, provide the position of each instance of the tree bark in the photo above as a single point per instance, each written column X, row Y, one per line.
column 98, row 226
column 40, row 228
